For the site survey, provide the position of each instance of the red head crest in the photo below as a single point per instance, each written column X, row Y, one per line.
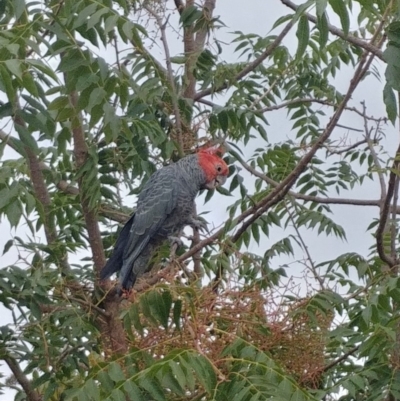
column 215, row 169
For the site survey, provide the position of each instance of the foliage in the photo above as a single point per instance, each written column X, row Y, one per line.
column 89, row 112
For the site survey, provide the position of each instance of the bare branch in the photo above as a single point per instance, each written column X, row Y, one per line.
column 368, row 46
column 311, row 266
column 346, row 149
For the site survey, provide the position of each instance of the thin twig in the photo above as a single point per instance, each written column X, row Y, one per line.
column 340, row 359
column 348, row 148
column 311, row 266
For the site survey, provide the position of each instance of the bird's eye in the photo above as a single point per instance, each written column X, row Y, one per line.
column 219, row 169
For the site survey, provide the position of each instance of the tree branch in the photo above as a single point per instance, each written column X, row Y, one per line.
column 114, row 335
column 312, row 267
column 340, row 359
column 390, row 261
column 92, row 226
column 38, row 182
column 31, row 393
column 193, row 46
column 368, row 46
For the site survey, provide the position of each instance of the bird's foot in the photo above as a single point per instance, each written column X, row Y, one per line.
column 125, row 293
column 175, row 241
column 199, row 224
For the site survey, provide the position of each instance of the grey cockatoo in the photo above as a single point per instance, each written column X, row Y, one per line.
column 165, row 206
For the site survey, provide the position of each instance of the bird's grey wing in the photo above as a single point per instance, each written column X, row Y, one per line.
column 156, row 202
column 115, row 262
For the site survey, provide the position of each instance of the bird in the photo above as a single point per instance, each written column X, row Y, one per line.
column 165, row 206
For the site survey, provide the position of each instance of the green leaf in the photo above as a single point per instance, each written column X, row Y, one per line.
column 152, row 387
column 115, row 372
column 6, row 110
column 95, row 18
column 26, row 138
column 118, row 395
column 14, row 213
column 133, row 390
column 84, row 14
column 223, row 120
column 189, row 15
column 303, row 36
column 321, row 7
column 204, row 371
column 92, row 389
column 339, row 7
column 29, row 83
column 177, row 313
column 390, row 100
column 8, row 245
column 58, row 103
column 14, row 66
column 19, row 8
column 7, row 82
column 322, row 24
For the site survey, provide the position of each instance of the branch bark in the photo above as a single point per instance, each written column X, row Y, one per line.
column 193, row 46
column 111, row 326
column 389, row 260
column 25, row 383
column 38, row 182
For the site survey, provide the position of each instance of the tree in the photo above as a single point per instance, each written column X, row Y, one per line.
column 90, row 110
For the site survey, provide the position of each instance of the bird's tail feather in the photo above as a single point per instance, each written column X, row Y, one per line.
column 115, row 262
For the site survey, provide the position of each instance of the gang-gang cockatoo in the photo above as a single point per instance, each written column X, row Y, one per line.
column 164, row 207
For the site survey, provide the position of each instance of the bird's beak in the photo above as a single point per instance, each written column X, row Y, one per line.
column 216, row 182
column 220, row 180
